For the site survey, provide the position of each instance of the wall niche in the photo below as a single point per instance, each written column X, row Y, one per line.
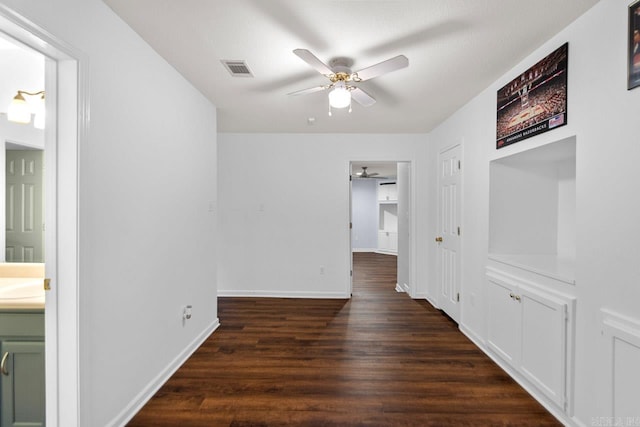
column 532, row 209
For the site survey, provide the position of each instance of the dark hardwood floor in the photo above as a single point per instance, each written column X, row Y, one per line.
column 379, row 359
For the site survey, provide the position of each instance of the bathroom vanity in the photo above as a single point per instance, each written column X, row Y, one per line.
column 22, row 376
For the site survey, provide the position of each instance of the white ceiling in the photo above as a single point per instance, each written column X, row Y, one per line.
column 456, row 49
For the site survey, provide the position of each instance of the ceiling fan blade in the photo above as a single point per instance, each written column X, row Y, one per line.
column 309, row 90
column 373, row 174
column 312, row 60
column 362, row 97
column 383, row 67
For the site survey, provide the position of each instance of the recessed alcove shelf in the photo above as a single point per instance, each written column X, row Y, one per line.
column 532, row 210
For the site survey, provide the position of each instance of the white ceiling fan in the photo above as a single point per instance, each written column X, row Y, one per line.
column 343, row 80
column 364, row 174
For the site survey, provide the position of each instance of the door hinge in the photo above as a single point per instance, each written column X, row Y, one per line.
column 350, row 178
column 458, row 297
column 458, row 230
column 459, row 164
column 350, row 225
column 351, row 273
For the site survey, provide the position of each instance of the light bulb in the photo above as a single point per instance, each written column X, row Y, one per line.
column 340, row 97
column 18, row 110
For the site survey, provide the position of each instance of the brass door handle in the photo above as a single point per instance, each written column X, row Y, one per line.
column 439, row 239
column 3, row 364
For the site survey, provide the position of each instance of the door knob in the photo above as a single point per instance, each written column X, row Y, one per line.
column 439, row 239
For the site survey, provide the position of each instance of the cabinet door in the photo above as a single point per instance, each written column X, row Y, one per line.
column 383, row 241
column 393, row 241
column 544, row 342
column 383, row 192
column 23, row 389
column 503, row 332
column 387, row 192
column 392, row 192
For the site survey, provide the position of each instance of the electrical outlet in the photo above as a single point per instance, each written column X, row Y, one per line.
column 186, row 313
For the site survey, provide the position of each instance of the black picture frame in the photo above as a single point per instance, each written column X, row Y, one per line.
column 535, row 101
column 633, row 72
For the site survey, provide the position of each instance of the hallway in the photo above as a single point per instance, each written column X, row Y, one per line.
column 379, row 359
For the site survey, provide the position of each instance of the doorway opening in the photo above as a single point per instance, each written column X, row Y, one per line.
column 380, row 214
column 65, row 125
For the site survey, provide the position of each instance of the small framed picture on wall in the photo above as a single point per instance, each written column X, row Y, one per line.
column 634, row 45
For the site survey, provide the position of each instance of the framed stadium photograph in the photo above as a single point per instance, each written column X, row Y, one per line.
column 634, row 45
column 535, row 101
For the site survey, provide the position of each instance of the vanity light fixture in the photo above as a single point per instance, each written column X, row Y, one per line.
column 19, row 110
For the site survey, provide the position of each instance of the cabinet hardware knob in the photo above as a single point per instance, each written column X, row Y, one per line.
column 517, row 297
column 511, row 295
column 3, row 364
column 439, row 239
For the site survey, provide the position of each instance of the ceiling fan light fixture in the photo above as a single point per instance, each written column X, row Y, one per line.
column 340, row 96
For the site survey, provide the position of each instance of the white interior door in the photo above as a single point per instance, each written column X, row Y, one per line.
column 448, row 237
column 24, row 209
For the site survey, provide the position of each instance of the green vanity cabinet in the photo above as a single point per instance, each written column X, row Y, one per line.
column 22, row 378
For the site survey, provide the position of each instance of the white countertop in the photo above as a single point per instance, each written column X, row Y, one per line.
column 31, row 300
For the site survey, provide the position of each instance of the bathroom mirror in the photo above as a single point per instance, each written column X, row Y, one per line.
column 22, row 146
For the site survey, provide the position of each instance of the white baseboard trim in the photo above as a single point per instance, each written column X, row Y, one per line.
column 364, row 250
column 282, row 294
column 431, row 301
column 385, row 252
column 474, row 337
column 549, row 406
column 399, row 288
column 147, row 393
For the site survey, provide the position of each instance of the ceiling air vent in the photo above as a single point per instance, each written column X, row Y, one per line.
column 237, row 68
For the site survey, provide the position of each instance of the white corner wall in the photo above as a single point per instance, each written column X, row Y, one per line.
column 284, row 209
column 602, row 114
column 147, row 200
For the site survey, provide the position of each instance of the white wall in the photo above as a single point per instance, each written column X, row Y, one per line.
column 602, row 115
column 281, row 225
column 147, row 236
column 364, row 214
column 20, row 69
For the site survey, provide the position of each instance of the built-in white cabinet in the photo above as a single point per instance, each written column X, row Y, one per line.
column 387, row 191
column 528, row 327
column 532, row 209
column 388, row 241
column 530, row 282
column 388, row 217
